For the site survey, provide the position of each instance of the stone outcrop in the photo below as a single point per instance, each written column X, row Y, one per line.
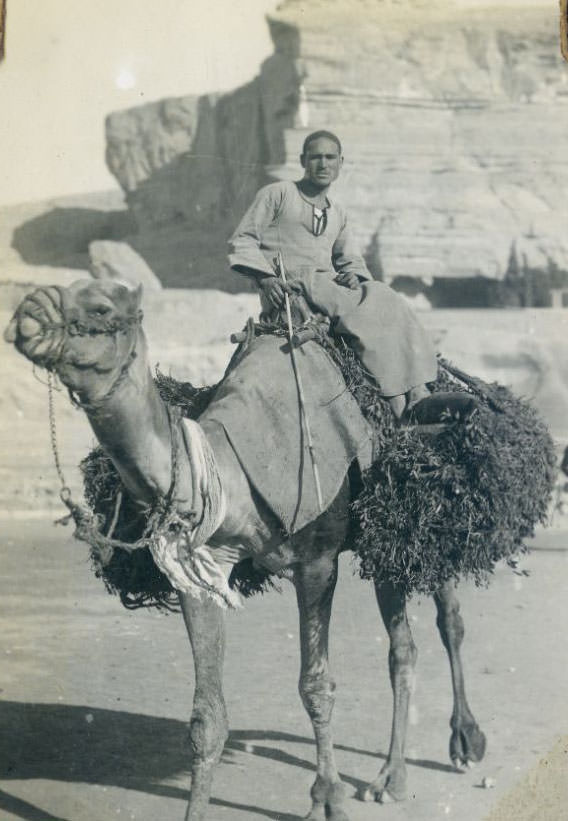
column 117, row 260
column 453, row 122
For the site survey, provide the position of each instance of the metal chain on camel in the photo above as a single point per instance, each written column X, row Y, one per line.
column 65, row 491
column 85, row 522
column 162, row 519
column 162, row 516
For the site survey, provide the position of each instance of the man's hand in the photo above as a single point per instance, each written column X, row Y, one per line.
column 347, row 280
column 273, row 289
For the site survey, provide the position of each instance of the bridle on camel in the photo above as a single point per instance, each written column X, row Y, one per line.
column 163, row 519
column 98, row 327
column 163, row 515
column 76, row 327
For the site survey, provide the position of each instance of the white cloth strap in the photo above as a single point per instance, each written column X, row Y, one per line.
column 184, row 557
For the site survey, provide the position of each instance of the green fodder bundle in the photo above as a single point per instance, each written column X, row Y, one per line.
column 133, row 576
column 450, row 504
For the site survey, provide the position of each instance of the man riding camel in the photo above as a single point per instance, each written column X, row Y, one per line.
column 300, row 221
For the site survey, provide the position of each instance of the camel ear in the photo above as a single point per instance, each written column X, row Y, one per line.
column 136, row 297
column 11, row 332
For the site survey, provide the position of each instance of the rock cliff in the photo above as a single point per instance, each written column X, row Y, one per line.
column 453, row 122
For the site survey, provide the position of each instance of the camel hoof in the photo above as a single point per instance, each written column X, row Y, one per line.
column 458, row 765
column 379, row 796
column 388, row 788
column 461, row 766
column 321, row 814
column 327, row 801
column 467, row 747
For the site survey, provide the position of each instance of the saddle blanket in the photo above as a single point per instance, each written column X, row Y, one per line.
column 258, row 406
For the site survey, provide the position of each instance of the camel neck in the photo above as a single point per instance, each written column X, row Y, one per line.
column 134, row 429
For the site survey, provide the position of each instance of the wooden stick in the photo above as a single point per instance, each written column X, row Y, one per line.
column 300, row 387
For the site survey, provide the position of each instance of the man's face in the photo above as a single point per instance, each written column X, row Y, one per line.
column 322, row 162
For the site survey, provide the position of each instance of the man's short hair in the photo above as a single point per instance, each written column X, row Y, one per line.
column 316, row 135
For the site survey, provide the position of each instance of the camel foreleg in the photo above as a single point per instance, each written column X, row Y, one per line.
column 467, row 742
column 390, row 783
column 208, row 728
column 315, row 585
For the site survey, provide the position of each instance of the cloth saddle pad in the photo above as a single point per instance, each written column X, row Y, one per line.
column 259, row 408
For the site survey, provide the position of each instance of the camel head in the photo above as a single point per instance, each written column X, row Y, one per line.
column 86, row 332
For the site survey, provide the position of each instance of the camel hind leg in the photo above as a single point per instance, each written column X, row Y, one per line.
column 467, row 742
column 315, row 585
column 390, row 783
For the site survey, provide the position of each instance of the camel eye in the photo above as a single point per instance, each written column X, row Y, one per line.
column 100, row 310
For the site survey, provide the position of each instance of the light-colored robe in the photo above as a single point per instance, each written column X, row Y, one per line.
column 375, row 320
column 281, row 219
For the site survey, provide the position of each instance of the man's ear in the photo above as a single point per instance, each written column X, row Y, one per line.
column 303, row 160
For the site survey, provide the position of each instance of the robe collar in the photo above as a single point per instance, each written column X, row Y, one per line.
column 328, row 201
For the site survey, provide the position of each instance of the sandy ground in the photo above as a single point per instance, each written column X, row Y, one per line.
column 95, row 699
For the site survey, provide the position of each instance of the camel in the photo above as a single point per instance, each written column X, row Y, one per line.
column 90, row 334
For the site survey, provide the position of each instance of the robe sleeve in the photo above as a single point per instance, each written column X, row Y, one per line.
column 345, row 255
column 245, row 255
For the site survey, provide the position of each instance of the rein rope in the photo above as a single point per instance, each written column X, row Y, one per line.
column 85, row 522
column 88, row 525
column 163, row 520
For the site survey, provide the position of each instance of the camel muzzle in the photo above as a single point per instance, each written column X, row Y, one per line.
column 36, row 329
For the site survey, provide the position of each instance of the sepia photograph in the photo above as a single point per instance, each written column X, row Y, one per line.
column 284, row 410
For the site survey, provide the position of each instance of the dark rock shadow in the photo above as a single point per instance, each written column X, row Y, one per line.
column 61, row 237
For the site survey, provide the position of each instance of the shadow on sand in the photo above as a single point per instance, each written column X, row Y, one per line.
column 131, row 751
column 61, row 237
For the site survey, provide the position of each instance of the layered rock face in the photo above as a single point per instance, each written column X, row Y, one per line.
column 453, row 122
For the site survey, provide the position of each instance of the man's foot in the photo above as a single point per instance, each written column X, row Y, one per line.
column 441, row 407
column 402, row 404
column 397, row 405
